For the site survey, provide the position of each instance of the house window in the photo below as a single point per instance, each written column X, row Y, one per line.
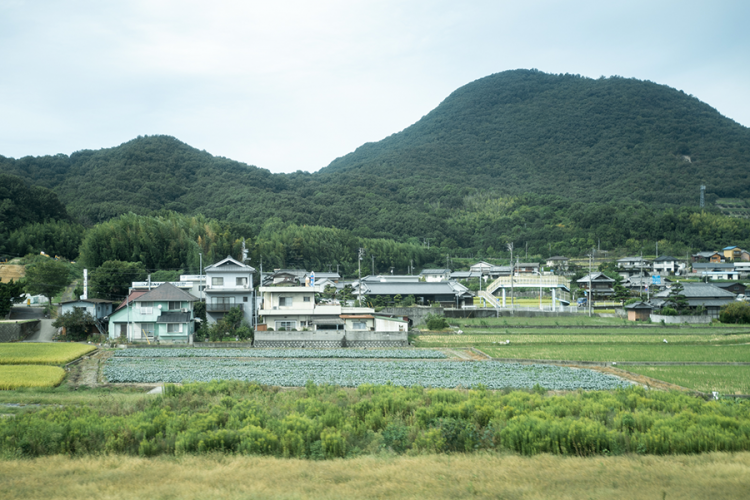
column 146, row 307
column 145, row 329
column 285, row 301
column 286, row 325
column 217, row 281
column 359, row 325
column 306, row 299
column 174, row 327
column 173, row 306
column 244, row 299
column 123, row 329
column 241, row 281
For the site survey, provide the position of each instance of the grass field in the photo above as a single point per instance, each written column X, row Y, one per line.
column 579, row 338
column 723, row 379
column 623, row 352
column 17, row 376
column 42, row 353
column 716, row 475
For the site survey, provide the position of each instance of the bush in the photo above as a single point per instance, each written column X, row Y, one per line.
column 668, row 311
column 435, row 322
column 735, row 312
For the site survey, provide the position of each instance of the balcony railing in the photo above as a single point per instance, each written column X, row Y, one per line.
column 220, row 306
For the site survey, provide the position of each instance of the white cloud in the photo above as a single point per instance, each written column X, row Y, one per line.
column 292, row 85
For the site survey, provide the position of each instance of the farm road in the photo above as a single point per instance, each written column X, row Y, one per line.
column 46, row 330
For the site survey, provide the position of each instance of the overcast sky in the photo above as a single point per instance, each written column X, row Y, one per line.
column 291, row 85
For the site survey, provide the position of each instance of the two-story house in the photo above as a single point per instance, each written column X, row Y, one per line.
column 666, row 265
column 292, row 318
column 229, row 283
column 599, row 284
column 164, row 313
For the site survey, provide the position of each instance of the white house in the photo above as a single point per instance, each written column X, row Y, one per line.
column 229, row 283
column 433, row 275
column 666, row 265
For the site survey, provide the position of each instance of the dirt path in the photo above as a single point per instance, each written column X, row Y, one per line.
column 88, row 371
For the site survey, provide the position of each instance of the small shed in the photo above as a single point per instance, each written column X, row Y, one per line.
column 639, row 311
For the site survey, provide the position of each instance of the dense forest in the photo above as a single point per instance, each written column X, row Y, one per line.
column 555, row 163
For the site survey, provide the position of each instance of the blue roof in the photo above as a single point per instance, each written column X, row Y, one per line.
column 729, row 248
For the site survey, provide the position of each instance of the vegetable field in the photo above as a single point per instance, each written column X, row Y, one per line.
column 17, row 376
column 42, row 353
column 352, row 373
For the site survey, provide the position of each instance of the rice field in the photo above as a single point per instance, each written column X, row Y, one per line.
column 42, row 353
column 623, row 352
column 723, row 379
column 18, row 376
column 578, row 320
column 578, row 338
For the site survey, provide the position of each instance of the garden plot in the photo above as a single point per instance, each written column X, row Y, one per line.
column 280, row 353
column 352, row 373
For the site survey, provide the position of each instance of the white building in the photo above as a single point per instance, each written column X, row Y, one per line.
column 229, row 283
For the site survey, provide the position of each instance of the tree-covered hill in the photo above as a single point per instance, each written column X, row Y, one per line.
column 592, row 140
column 556, row 161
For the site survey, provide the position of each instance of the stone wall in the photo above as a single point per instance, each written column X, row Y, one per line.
column 673, row 320
column 12, row 331
column 499, row 313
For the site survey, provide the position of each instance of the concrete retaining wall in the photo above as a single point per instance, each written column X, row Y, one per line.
column 416, row 314
column 499, row 313
column 673, row 320
column 332, row 339
column 12, row 331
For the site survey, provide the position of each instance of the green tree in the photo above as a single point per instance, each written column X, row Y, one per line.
column 47, row 278
column 10, row 293
column 676, row 299
column 735, row 312
column 77, row 323
column 113, row 278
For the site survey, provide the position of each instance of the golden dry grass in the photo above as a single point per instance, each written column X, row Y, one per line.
column 17, row 376
column 42, row 353
column 716, row 476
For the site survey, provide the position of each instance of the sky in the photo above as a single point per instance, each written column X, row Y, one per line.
column 292, row 85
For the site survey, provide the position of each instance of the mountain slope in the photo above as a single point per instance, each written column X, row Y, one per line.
column 595, row 140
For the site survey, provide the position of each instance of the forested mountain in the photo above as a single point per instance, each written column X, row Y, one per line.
column 560, row 162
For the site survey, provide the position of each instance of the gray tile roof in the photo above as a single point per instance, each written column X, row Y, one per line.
column 700, row 291
column 165, row 293
column 436, row 271
column 420, row 288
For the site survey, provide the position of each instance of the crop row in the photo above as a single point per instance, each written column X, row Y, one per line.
column 352, row 373
column 16, row 376
column 209, row 352
column 52, row 353
column 623, row 352
column 429, row 340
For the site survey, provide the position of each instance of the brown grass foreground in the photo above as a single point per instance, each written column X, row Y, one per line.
column 715, row 476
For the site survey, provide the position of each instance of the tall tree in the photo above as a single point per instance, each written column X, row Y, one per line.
column 9, row 293
column 47, row 278
column 112, row 279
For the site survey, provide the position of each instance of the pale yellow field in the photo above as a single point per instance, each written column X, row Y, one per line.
column 716, row 476
column 42, row 353
column 17, row 376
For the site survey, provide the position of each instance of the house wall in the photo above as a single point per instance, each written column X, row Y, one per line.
column 671, row 320
column 331, row 339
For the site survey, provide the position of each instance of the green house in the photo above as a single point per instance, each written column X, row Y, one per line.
column 164, row 313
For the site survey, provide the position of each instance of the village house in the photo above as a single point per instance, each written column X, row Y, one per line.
column 600, row 284
column 698, row 295
column 436, row 275
column 229, row 284
column 164, row 314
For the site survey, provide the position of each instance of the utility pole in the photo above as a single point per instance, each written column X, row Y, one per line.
column 657, row 249
column 640, row 287
column 359, row 267
column 411, row 266
column 200, row 273
column 372, row 257
column 510, row 248
column 591, row 295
